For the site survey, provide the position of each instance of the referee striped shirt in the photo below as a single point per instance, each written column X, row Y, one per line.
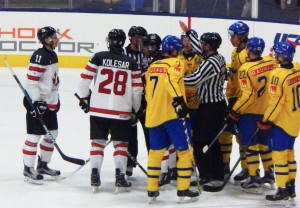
column 210, row 75
column 209, row 78
column 138, row 56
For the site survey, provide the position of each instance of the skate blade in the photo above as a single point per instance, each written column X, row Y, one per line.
column 256, row 191
column 36, row 182
column 151, row 200
column 269, row 186
column 183, row 200
column 238, row 182
column 95, row 189
column 50, row 178
column 280, row 203
column 122, row 189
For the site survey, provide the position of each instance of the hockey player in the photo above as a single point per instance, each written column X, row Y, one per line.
column 165, row 96
column 117, row 89
column 134, row 50
column 151, row 49
column 42, row 86
column 282, row 120
column 238, row 33
column 191, row 62
column 249, row 109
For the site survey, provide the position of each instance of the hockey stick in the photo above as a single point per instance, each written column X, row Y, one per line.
column 65, row 157
column 206, row 147
column 193, row 159
column 77, row 169
column 136, row 162
column 220, row 188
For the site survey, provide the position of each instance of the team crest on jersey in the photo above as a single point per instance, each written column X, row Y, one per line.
column 244, row 83
column 177, row 70
column 273, row 89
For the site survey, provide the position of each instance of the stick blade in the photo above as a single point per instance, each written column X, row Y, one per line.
column 205, row 148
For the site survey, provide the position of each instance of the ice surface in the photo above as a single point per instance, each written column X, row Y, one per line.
column 74, row 141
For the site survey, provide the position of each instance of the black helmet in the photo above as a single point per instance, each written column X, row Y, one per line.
column 137, row 30
column 214, row 39
column 142, row 31
column 116, row 38
column 152, row 39
column 45, row 33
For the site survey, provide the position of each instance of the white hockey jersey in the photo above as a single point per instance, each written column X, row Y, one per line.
column 42, row 78
column 117, row 86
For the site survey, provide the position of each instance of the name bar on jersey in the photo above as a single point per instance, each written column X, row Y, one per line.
column 262, row 70
column 116, row 63
column 161, row 70
column 294, row 80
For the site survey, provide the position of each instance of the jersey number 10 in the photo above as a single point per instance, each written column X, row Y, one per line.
column 296, row 97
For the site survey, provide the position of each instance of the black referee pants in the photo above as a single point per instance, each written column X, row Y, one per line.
column 210, row 122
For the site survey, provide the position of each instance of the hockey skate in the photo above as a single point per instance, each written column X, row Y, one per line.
column 121, row 184
column 31, row 176
column 152, row 195
column 268, row 181
column 213, row 186
column 95, row 180
column 241, row 177
column 186, row 196
column 164, row 181
column 280, row 197
column 292, row 191
column 42, row 168
column 252, row 185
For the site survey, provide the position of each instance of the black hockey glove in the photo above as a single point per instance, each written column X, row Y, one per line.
column 264, row 130
column 231, row 119
column 84, row 103
column 228, row 73
column 231, row 102
column 40, row 108
column 180, row 107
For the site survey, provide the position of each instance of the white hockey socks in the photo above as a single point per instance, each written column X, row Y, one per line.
column 47, row 147
column 120, row 155
column 30, row 149
column 97, row 153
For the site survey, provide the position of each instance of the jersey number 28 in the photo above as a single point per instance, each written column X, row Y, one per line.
column 119, row 80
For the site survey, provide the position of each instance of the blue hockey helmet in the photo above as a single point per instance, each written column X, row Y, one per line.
column 238, row 28
column 284, row 49
column 170, row 43
column 256, row 45
column 192, row 31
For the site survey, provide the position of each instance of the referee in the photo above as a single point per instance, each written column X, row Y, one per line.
column 134, row 50
column 209, row 78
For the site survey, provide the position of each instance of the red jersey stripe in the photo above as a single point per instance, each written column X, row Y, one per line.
column 37, row 69
column 97, row 145
column 112, row 112
column 48, row 149
column 121, row 145
column 33, row 78
column 91, row 69
column 84, row 76
column 121, row 153
column 137, row 85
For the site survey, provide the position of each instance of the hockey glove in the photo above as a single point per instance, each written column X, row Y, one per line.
column 264, row 130
column 228, row 73
column 180, row 107
column 231, row 119
column 40, row 108
column 231, row 102
column 84, row 103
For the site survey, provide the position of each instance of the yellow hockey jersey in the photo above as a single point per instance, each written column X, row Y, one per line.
column 237, row 59
column 252, row 82
column 164, row 81
column 190, row 65
column 284, row 99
